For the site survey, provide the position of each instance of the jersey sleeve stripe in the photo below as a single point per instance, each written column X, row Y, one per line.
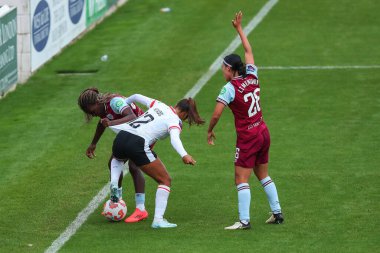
column 171, row 127
column 151, row 104
column 123, row 108
column 221, row 101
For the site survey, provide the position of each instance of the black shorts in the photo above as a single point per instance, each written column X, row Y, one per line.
column 129, row 146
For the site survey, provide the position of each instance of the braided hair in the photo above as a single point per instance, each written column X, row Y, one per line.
column 91, row 96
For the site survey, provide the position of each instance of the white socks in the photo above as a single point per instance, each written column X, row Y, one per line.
column 162, row 196
column 116, row 170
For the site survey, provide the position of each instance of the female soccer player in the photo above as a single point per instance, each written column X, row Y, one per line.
column 134, row 139
column 112, row 109
column 242, row 95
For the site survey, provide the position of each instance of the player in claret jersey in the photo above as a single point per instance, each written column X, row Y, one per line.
column 112, row 109
column 242, row 95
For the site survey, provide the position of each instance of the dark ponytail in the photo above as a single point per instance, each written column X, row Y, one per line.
column 188, row 105
column 234, row 62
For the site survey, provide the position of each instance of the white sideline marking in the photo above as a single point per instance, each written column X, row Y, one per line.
column 320, row 67
column 99, row 198
column 80, row 219
column 215, row 66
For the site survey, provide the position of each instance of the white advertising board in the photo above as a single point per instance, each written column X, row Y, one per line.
column 54, row 24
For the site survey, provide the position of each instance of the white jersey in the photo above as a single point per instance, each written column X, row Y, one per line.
column 154, row 124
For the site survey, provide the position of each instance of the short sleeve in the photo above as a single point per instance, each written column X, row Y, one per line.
column 251, row 69
column 118, row 104
column 227, row 94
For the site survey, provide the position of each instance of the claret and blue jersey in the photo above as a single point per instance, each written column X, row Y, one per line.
column 117, row 105
column 242, row 95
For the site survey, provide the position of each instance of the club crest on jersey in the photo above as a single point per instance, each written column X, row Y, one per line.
column 110, row 116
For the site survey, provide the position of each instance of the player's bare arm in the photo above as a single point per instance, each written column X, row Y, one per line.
column 236, row 22
column 214, row 120
column 90, row 152
column 127, row 114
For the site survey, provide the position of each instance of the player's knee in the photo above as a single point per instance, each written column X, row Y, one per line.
column 239, row 179
column 166, row 180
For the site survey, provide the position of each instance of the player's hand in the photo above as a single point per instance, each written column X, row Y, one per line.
column 187, row 159
column 105, row 122
column 236, row 22
column 210, row 138
column 90, row 152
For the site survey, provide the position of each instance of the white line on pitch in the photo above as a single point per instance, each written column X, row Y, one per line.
column 320, row 67
column 80, row 219
column 99, row 198
column 215, row 66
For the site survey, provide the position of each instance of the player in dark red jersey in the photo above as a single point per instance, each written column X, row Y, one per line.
column 242, row 95
column 112, row 109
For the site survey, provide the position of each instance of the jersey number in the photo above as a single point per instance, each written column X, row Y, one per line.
column 255, row 106
column 137, row 123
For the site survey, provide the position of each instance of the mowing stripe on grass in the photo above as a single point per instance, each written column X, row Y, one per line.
column 320, row 67
column 215, row 66
column 99, row 198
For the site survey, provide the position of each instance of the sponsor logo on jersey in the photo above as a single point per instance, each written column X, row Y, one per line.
column 223, row 91
column 119, row 103
column 250, row 68
column 158, row 111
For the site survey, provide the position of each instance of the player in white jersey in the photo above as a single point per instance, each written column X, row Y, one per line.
column 134, row 139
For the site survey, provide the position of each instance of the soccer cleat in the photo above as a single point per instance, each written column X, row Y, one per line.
column 114, row 193
column 239, row 225
column 137, row 216
column 163, row 224
column 275, row 218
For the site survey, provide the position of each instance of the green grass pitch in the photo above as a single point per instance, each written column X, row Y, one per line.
column 324, row 126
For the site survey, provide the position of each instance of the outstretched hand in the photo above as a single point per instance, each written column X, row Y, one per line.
column 236, row 22
column 210, row 138
column 187, row 159
column 90, row 152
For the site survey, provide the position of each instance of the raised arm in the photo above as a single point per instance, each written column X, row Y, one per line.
column 236, row 22
column 140, row 99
